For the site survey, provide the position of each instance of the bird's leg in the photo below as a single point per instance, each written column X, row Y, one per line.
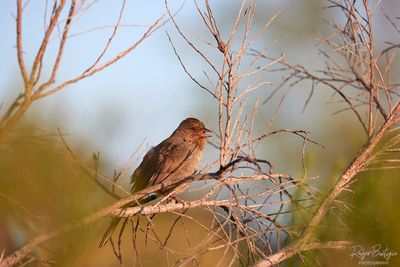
column 175, row 199
column 173, row 195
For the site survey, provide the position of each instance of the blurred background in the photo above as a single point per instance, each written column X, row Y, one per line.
column 143, row 98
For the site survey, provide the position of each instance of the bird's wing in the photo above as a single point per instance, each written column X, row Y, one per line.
column 148, row 168
column 160, row 163
column 174, row 159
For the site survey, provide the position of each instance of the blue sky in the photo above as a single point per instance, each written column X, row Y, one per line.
column 137, row 90
column 118, row 105
column 147, row 94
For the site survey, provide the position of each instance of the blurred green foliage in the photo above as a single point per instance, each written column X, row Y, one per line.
column 42, row 189
column 367, row 216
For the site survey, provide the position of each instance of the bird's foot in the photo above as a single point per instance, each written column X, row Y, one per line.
column 177, row 200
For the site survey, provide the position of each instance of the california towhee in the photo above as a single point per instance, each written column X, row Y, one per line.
column 175, row 158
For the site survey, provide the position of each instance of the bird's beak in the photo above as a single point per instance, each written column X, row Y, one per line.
column 206, row 133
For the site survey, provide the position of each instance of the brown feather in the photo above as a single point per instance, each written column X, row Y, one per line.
column 175, row 158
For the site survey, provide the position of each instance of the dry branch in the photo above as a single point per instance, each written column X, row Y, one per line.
column 33, row 90
column 245, row 198
column 303, row 243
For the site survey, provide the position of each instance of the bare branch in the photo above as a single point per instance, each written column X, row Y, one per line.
column 355, row 167
column 101, row 67
column 290, row 251
column 42, row 50
column 20, row 50
column 64, row 37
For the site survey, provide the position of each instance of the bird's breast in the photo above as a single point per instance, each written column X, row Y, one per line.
column 201, row 143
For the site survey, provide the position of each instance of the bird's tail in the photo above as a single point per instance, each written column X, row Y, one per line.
column 114, row 221
column 107, row 235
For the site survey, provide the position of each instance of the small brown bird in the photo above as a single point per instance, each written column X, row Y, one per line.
column 175, row 158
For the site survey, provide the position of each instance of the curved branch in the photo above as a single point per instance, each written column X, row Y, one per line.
column 290, row 251
column 116, row 210
column 354, row 168
column 20, row 254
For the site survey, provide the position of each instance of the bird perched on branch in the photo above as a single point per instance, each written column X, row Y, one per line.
column 173, row 159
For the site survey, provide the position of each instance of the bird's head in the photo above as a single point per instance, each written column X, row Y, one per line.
column 193, row 130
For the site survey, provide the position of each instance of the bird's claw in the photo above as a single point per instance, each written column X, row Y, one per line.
column 177, row 200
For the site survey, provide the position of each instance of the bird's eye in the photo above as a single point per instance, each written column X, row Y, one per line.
column 193, row 128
